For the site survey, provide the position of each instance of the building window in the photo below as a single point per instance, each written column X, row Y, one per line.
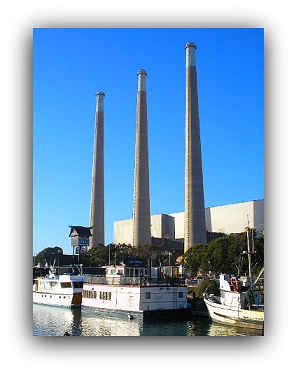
column 147, row 295
column 181, row 294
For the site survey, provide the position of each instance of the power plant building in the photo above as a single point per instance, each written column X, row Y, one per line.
column 193, row 224
column 227, row 219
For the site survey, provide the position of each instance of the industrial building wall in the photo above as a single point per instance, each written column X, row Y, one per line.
column 259, row 215
column 232, row 218
column 168, row 226
column 179, row 219
column 123, row 232
column 162, row 226
column 156, row 225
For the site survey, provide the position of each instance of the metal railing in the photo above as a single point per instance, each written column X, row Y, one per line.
column 131, row 281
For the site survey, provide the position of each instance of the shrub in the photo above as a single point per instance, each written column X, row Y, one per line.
column 210, row 286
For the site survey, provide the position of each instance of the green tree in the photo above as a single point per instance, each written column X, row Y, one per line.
column 98, row 256
column 258, row 257
column 192, row 259
column 225, row 255
column 48, row 255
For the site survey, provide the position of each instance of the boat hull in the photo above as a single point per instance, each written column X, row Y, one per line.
column 148, row 301
column 57, row 299
column 223, row 314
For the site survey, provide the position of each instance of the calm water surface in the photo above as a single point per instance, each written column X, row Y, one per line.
column 54, row 321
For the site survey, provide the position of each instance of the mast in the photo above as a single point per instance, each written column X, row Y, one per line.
column 247, row 229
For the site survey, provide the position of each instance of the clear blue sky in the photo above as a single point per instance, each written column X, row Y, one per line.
column 71, row 65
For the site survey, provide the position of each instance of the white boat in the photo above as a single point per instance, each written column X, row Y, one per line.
column 240, row 301
column 63, row 290
column 133, row 295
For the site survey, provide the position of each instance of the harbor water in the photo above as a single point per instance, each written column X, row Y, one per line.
column 56, row 321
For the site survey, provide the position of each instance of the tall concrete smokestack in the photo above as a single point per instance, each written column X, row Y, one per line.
column 97, row 194
column 195, row 227
column 141, row 209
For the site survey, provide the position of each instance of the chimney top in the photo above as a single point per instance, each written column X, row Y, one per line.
column 190, row 44
column 141, row 80
column 100, row 101
column 142, row 71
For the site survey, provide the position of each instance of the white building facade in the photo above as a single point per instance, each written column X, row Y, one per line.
column 232, row 218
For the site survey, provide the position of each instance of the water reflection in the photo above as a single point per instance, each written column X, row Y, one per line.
column 94, row 323
column 54, row 321
column 224, row 330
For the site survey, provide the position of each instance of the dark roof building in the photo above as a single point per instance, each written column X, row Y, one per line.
column 77, row 230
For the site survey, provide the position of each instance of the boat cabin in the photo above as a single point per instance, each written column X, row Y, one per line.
column 238, row 292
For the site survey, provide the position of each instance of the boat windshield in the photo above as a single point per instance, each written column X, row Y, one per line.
column 78, row 285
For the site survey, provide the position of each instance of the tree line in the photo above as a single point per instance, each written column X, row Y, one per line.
column 226, row 255
column 223, row 255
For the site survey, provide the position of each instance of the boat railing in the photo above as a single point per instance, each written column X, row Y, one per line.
column 121, row 280
column 129, row 281
column 95, row 279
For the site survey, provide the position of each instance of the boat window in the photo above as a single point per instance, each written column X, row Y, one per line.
column 65, row 285
column 105, row 295
column 77, row 285
column 90, row 294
